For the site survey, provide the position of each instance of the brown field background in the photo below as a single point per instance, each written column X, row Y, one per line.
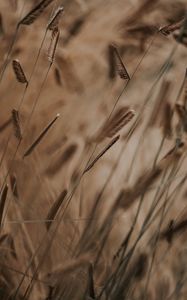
column 78, row 86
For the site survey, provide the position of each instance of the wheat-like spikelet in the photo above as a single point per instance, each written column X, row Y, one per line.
column 91, row 164
column 13, row 185
column 159, row 103
column 74, row 29
column 40, row 137
column 142, row 9
column 55, row 207
column 111, row 62
column 64, row 158
column 1, row 25
column 16, row 124
column 91, row 288
column 174, row 150
column 139, row 267
column 167, row 119
column 173, row 230
column 181, row 35
column 113, row 125
column 19, row 73
column 35, row 13
column 53, row 23
column 120, row 67
column 168, row 29
column 57, row 76
column 53, row 44
column 2, row 202
column 126, row 197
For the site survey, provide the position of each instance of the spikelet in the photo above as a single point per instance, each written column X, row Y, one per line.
column 35, row 13
column 40, row 137
column 111, row 61
column 112, row 126
column 19, row 73
column 144, row 30
column 126, row 197
column 120, row 67
column 75, row 28
column 55, row 207
column 64, row 158
column 16, row 124
column 13, row 185
column 91, row 164
column 166, row 30
column 181, row 35
column 53, row 44
column 141, row 266
column 167, row 119
column 53, row 23
column 158, row 107
column 1, row 25
column 57, row 76
column 91, row 289
column 174, row 150
column 142, row 9
column 168, row 233
column 2, row 202
column 173, row 230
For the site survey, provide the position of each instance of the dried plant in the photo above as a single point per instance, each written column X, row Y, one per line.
column 119, row 65
column 54, row 209
column 114, row 124
column 173, row 230
column 126, row 197
column 102, row 234
column 54, row 22
column 58, row 76
column 16, row 124
column 3, row 201
column 159, row 103
column 53, row 44
column 1, row 25
column 19, row 73
column 40, row 137
column 35, row 13
column 13, row 185
column 168, row 29
column 167, row 120
column 64, row 158
column 92, row 163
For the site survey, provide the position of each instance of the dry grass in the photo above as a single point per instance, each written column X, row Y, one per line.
column 109, row 68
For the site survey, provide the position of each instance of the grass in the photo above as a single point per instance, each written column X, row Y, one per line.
column 92, row 205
